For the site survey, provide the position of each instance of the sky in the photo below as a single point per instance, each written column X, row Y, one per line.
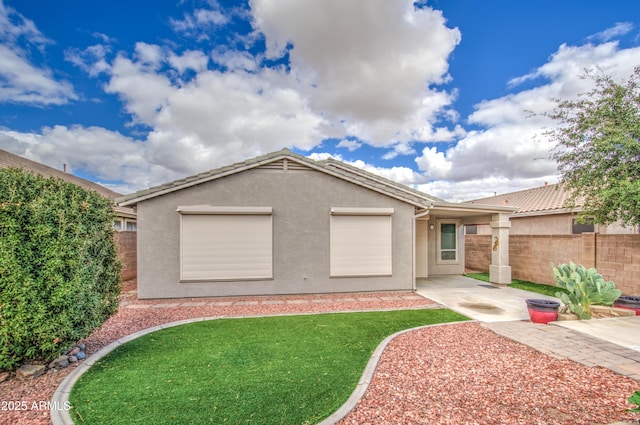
column 447, row 96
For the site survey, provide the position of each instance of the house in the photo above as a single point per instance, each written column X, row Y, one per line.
column 125, row 217
column 541, row 211
column 543, row 232
column 282, row 223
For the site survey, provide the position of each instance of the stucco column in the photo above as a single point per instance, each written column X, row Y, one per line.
column 500, row 270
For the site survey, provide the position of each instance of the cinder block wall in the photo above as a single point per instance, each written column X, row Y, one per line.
column 617, row 257
column 477, row 252
column 127, row 252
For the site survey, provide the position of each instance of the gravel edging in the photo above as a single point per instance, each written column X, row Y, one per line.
column 367, row 376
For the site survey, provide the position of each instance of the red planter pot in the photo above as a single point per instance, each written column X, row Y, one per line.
column 543, row 311
column 628, row 302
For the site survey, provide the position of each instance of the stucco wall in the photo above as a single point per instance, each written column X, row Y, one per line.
column 301, row 202
column 616, row 257
column 553, row 224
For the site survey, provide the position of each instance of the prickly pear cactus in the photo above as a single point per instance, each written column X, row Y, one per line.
column 586, row 287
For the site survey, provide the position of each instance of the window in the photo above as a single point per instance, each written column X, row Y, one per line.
column 361, row 243
column 471, row 229
column 448, row 242
column 578, row 228
column 130, row 226
column 117, row 224
column 221, row 243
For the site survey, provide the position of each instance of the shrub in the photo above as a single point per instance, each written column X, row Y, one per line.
column 59, row 270
column 585, row 287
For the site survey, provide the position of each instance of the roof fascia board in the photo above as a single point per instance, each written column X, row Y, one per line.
column 289, row 156
column 379, row 179
column 327, row 170
column 547, row 212
column 204, row 179
column 474, row 208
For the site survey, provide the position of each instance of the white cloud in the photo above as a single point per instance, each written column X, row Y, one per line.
column 370, row 69
column 108, row 155
column 14, row 26
column 510, row 151
column 197, row 23
column 215, row 117
column 91, row 60
column 618, row 30
column 21, row 81
column 193, row 60
column 360, row 76
column 403, row 175
column 480, row 188
column 352, row 145
column 235, row 60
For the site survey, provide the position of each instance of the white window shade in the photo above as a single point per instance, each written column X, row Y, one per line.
column 226, row 244
column 361, row 243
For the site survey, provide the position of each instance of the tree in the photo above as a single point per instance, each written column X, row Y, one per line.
column 598, row 149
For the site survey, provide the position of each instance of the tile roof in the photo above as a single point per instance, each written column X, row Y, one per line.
column 332, row 167
column 376, row 179
column 546, row 199
column 8, row 159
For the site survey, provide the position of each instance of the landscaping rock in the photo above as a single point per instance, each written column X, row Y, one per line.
column 81, row 355
column 73, row 359
column 60, row 362
column 4, row 376
column 29, row 371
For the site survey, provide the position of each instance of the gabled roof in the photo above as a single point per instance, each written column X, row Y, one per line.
column 548, row 199
column 376, row 179
column 331, row 167
column 8, row 159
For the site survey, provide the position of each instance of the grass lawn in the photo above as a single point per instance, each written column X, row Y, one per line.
column 270, row 370
column 538, row 288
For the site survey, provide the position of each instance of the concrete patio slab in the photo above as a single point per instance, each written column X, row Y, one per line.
column 624, row 331
column 476, row 299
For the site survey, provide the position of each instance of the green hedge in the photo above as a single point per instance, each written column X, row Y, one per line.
column 59, row 270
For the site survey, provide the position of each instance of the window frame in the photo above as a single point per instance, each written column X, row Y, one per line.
column 439, row 249
column 384, row 217
column 187, row 211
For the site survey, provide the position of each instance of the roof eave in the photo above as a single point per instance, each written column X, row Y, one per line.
column 475, row 207
column 144, row 195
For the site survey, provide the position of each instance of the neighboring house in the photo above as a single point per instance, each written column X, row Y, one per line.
column 544, row 232
column 125, row 221
column 541, row 211
column 282, row 223
column 125, row 217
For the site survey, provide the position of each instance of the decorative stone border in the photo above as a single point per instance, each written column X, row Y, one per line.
column 61, row 395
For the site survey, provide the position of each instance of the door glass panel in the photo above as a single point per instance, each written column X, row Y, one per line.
column 448, row 241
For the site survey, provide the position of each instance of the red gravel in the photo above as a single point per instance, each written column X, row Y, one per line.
column 458, row 374
column 466, row 374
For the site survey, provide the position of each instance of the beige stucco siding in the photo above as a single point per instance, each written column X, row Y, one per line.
column 301, row 202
